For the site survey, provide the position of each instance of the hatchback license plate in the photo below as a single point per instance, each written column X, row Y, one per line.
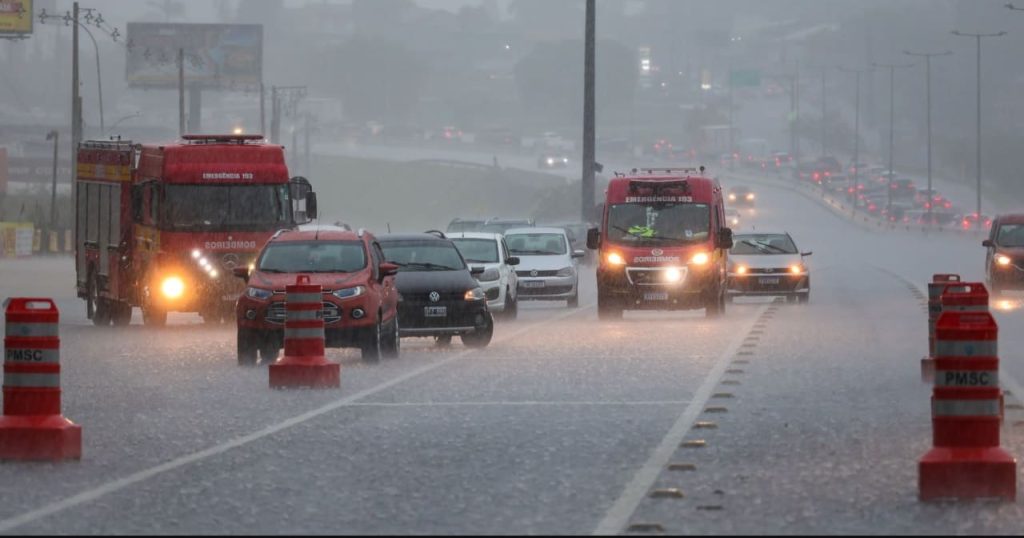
column 769, row 281
column 533, row 283
column 656, row 296
column 435, row 311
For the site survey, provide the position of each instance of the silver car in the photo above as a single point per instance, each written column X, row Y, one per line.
column 547, row 264
column 499, row 282
column 767, row 264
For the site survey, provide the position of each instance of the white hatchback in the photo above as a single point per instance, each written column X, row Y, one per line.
column 547, row 264
column 498, row 280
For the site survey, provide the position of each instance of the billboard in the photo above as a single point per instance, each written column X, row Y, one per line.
column 217, row 56
column 15, row 17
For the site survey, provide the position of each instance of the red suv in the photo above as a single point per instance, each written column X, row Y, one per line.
column 360, row 301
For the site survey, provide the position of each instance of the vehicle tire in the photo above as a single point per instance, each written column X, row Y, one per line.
column 371, row 346
column 211, row 317
column 511, row 307
column 121, row 314
column 480, row 337
column 574, row 301
column 608, row 308
column 268, row 348
column 247, row 341
column 791, row 298
column 100, row 307
column 729, row 299
column 391, row 347
column 804, row 298
column 154, row 316
column 444, row 340
column 714, row 303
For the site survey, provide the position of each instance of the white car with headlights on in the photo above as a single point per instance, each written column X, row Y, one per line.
column 732, row 216
column 547, row 264
column 767, row 264
column 498, row 279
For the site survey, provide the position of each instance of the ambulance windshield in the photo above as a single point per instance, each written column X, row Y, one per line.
column 658, row 223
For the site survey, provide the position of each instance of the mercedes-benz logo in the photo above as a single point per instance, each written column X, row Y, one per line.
column 533, row 273
column 657, row 252
column 435, row 297
column 230, row 261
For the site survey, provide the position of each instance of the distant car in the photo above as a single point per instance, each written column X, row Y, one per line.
column 972, row 221
column 547, row 266
column 500, row 225
column 552, row 160
column 836, row 183
column 740, row 196
column 767, row 264
column 465, row 225
column 903, row 190
column 1004, row 254
column 498, row 280
column 732, row 217
column 440, row 296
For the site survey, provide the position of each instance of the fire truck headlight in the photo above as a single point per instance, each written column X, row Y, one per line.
column 614, row 258
column 172, row 287
column 673, row 275
column 700, row 258
column 196, row 254
column 213, row 273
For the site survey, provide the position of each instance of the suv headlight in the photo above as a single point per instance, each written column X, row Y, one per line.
column 348, row 293
column 565, row 271
column 489, row 275
column 475, row 294
column 258, row 293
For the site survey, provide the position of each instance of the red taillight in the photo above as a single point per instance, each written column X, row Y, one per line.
column 816, row 175
column 827, row 174
column 948, row 205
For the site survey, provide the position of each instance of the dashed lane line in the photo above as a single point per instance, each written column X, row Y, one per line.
column 112, row 486
column 618, row 515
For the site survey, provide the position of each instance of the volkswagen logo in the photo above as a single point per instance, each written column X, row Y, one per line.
column 435, row 297
column 230, row 261
column 657, row 252
column 533, row 273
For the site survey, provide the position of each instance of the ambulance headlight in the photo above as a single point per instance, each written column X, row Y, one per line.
column 614, row 258
column 172, row 287
column 700, row 258
column 672, row 275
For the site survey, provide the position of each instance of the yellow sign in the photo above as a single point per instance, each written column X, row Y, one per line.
column 16, row 17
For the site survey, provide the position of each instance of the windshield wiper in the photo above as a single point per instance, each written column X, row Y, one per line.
column 763, row 247
column 533, row 252
column 272, row 270
column 427, row 265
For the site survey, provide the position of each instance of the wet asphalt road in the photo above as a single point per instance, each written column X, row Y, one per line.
column 812, row 416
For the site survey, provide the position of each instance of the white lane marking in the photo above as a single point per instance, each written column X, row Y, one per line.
column 515, row 404
column 618, row 515
column 112, row 486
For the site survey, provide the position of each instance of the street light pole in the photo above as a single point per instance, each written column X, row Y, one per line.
column 856, row 135
column 55, row 136
column 928, row 100
column 824, row 128
column 892, row 74
column 589, row 125
column 977, row 185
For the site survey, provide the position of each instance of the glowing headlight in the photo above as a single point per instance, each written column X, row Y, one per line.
column 196, row 254
column 172, row 287
column 565, row 271
column 1003, row 260
column 213, row 273
column 347, row 293
column 750, row 196
column 732, row 197
column 796, row 269
column 204, row 263
column 551, row 160
column 490, row 275
column 673, row 274
column 258, row 293
column 475, row 294
column 735, row 221
column 700, row 258
column 741, row 270
column 614, row 258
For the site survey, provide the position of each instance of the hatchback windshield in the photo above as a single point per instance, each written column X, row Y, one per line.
column 672, row 223
column 425, row 255
column 763, row 244
column 538, row 244
column 1011, row 235
column 313, row 257
column 478, row 250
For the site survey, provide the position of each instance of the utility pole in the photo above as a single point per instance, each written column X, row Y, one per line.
column 263, row 113
column 796, row 117
column 856, row 136
column 732, row 125
column 824, row 126
column 55, row 136
column 181, row 92
column 977, row 185
column 76, row 100
column 589, row 125
column 928, row 105
column 305, row 148
column 278, row 94
column 892, row 73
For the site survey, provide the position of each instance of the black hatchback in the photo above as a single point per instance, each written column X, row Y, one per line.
column 438, row 295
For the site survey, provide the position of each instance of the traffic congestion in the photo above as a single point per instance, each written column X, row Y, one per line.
column 399, row 288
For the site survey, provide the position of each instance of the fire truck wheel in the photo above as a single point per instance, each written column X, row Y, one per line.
column 247, row 347
column 608, row 308
column 444, row 340
column 714, row 303
column 154, row 316
column 391, row 347
column 371, row 345
column 99, row 306
column 121, row 313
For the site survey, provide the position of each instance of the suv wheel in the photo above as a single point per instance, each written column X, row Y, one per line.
column 391, row 347
column 371, row 346
column 444, row 340
column 247, row 346
column 481, row 336
column 269, row 349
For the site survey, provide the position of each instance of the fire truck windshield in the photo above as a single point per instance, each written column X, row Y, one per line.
column 658, row 223
column 225, row 207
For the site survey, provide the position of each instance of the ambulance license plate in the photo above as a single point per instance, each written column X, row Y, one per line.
column 435, row 311
column 656, row 296
column 768, row 281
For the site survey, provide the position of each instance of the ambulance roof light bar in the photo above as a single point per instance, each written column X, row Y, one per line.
column 670, row 170
column 221, row 138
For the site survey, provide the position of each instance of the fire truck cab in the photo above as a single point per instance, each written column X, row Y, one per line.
column 663, row 243
column 162, row 227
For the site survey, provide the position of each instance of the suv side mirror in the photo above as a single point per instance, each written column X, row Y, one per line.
column 987, row 243
column 578, row 254
column 512, row 260
column 388, row 269
column 725, row 238
column 808, row 253
column 476, row 270
column 593, row 239
column 241, row 272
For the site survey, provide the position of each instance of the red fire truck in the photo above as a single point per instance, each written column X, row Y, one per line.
column 162, row 226
column 663, row 243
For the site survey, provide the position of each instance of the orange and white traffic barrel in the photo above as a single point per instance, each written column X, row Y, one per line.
column 935, row 288
column 32, row 427
column 966, row 461
column 303, row 363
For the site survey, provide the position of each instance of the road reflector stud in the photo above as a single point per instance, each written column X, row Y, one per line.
column 32, row 426
column 705, row 425
column 303, row 363
column 646, row 527
column 696, row 443
column 735, row 371
column 710, row 507
column 667, row 493
column 722, row 395
column 731, row 382
column 682, row 467
column 716, row 410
